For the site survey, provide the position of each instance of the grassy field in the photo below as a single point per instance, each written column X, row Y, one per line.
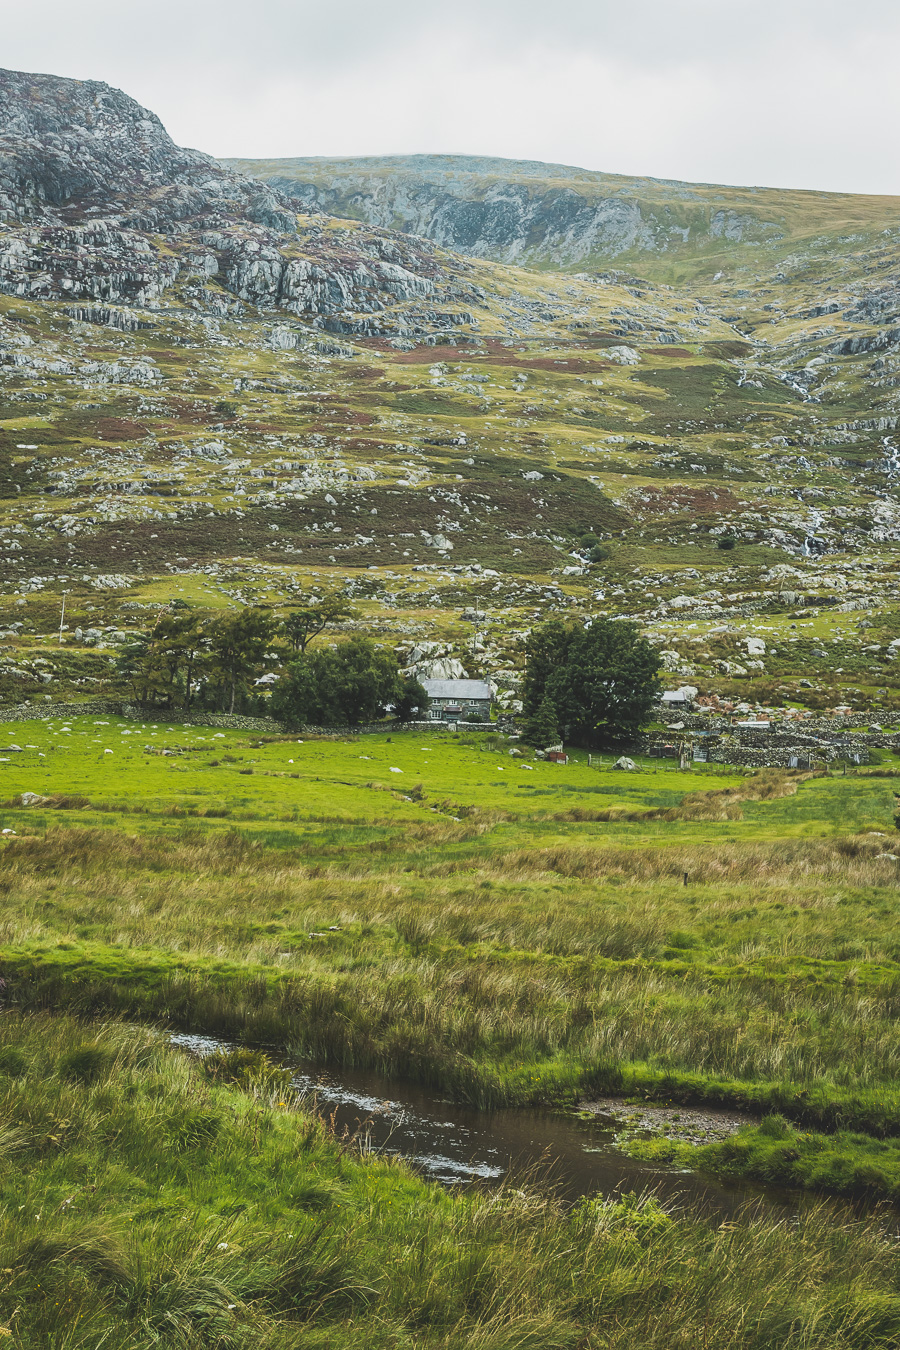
column 507, row 930
column 150, row 1202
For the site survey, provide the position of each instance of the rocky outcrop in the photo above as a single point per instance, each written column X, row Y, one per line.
column 98, row 204
column 880, row 305
column 259, row 272
column 514, row 211
column 70, row 149
column 867, row 342
column 97, row 262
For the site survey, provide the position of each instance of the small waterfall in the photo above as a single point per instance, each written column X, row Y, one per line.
column 813, row 547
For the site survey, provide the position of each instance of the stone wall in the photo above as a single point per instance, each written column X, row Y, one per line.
column 776, row 747
column 807, row 726
column 773, row 758
column 33, row 712
column 37, row 712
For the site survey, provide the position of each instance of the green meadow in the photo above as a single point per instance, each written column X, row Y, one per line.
column 504, row 929
column 164, row 768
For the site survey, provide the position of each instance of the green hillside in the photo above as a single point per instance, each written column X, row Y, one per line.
column 466, row 455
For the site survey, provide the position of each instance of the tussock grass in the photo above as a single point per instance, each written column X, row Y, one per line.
column 714, row 804
column 120, row 1227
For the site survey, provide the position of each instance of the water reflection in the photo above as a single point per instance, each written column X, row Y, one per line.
column 457, row 1145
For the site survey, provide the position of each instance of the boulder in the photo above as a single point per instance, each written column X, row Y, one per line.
column 623, row 762
column 448, row 668
column 622, row 356
column 283, row 339
column 33, row 799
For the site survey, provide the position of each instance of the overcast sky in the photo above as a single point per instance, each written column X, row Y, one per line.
column 788, row 93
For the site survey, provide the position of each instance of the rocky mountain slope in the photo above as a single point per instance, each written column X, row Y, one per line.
column 209, row 395
column 99, row 204
column 73, row 150
column 554, row 215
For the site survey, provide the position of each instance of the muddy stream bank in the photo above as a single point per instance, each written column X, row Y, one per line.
column 575, row 1152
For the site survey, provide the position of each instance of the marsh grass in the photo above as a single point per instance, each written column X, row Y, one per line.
column 753, row 962
column 269, row 1232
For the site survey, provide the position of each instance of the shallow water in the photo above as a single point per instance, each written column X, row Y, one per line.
column 457, row 1145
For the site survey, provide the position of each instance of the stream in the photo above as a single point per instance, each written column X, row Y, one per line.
column 458, row 1145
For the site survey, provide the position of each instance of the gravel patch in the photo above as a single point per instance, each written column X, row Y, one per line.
column 693, row 1125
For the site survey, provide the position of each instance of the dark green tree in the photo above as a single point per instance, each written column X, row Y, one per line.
column 160, row 665
column 178, row 641
column 308, row 621
column 546, row 651
column 238, row 642
column 542, row 728
column 147, row 674
column 412, row 700
column 601, row 680
column 338, row 686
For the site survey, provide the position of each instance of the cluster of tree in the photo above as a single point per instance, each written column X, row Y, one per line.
column 593, row 685
column 193, row 656
column 347, row 685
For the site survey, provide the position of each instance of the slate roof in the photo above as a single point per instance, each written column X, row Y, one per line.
column 458, row 689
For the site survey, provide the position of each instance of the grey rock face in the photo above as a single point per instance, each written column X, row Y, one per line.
column 501, row 209
column 89, row 180
column 259, row 273
column 508, row 222
column 98, row 262
column 69, row 148
column 736, row 226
